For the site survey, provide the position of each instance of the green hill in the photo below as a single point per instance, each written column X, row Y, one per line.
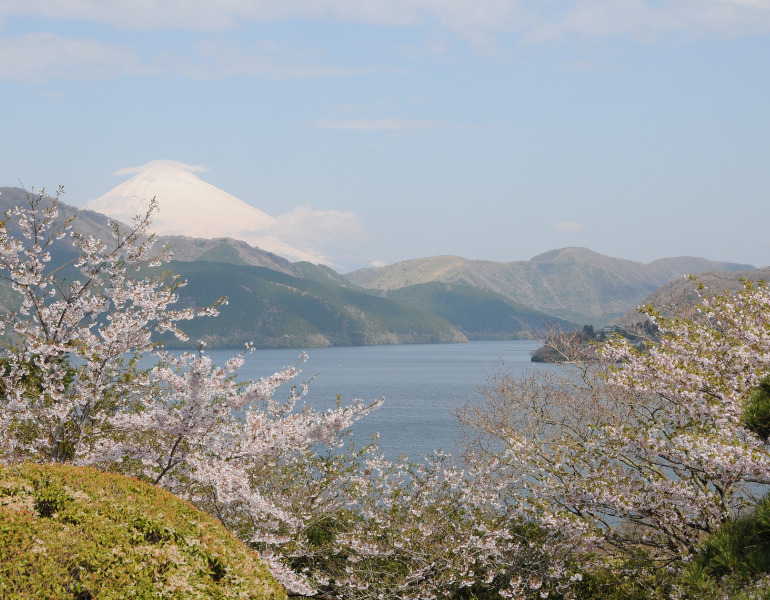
column 77, row 533
column 573, row 283
column 274, row 309
column 272, row 302
column 479, row 313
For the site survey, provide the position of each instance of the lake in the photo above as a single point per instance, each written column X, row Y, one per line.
column 421, row 384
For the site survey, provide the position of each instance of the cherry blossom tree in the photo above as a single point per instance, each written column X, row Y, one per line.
column 393, row 529
column 326, row 517
column 618, row 453
column 73, row 389
column 635, row 452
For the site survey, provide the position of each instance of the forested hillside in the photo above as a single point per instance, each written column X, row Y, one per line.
column 586, row 482
column 680, row 296
column 276, row 303
column 573, row 283
column 272, row 309
column 479, row 313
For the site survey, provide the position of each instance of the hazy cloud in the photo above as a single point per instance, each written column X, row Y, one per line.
column 49, row 56
column 534, row 19
column 648, row 19
column 484, row 23
column 170, row 165
column 569, row 227
column 221, row 58
column 319, row 227
column 376, row 124
column 204, row 15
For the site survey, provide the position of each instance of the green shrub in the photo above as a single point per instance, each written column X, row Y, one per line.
column 633, row 578
column 756, row 411
column 76, row 533
column 734, row 561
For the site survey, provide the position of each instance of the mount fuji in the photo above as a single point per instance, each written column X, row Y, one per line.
column 189, row 206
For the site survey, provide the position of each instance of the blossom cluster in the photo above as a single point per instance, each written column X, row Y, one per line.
column 635, row 450
column 619, row 451
column 73, row 389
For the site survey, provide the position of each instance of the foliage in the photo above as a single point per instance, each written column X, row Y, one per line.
column 274, row 309
column 405, row 531
column 734, row 561
column 631, row 578
column 75, row 532
column 635, row 455
column 184, row 423
column 562, row 345
column 598, row 478
column 756, row 412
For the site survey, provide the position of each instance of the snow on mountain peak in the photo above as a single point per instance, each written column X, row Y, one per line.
column 189, row 206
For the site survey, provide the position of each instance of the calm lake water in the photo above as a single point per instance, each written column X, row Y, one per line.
column 421, row 384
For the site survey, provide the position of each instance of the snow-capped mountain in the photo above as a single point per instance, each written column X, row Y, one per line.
column 189, row 206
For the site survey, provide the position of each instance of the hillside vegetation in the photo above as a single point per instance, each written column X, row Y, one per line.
column 274, row 309
column 573, row 283
column 77, row 533
column 276, row 303
column 479, row 313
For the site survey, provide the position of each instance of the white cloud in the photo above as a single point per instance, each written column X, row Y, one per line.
column 475, row 20
column 648, row 20
column 330, row 237
column 377, row 124
column 219, row 57
column 319, row 227
column 205, row 15
column 161, row 165
column 49, row 56
column 569, row 227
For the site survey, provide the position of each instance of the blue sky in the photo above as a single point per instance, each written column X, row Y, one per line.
column 492, row 129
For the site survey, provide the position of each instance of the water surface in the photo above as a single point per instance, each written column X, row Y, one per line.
column 421, row 384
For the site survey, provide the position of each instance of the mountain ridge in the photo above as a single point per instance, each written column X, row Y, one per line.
column 575, row 283
column 274, row 309
column 184, row 248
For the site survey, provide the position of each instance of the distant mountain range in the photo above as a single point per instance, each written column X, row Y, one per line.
column 273, row 302
column 572, row 283
column 278, row 303
column 185, row 248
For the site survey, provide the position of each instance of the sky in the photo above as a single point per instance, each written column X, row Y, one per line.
column 488, row 129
